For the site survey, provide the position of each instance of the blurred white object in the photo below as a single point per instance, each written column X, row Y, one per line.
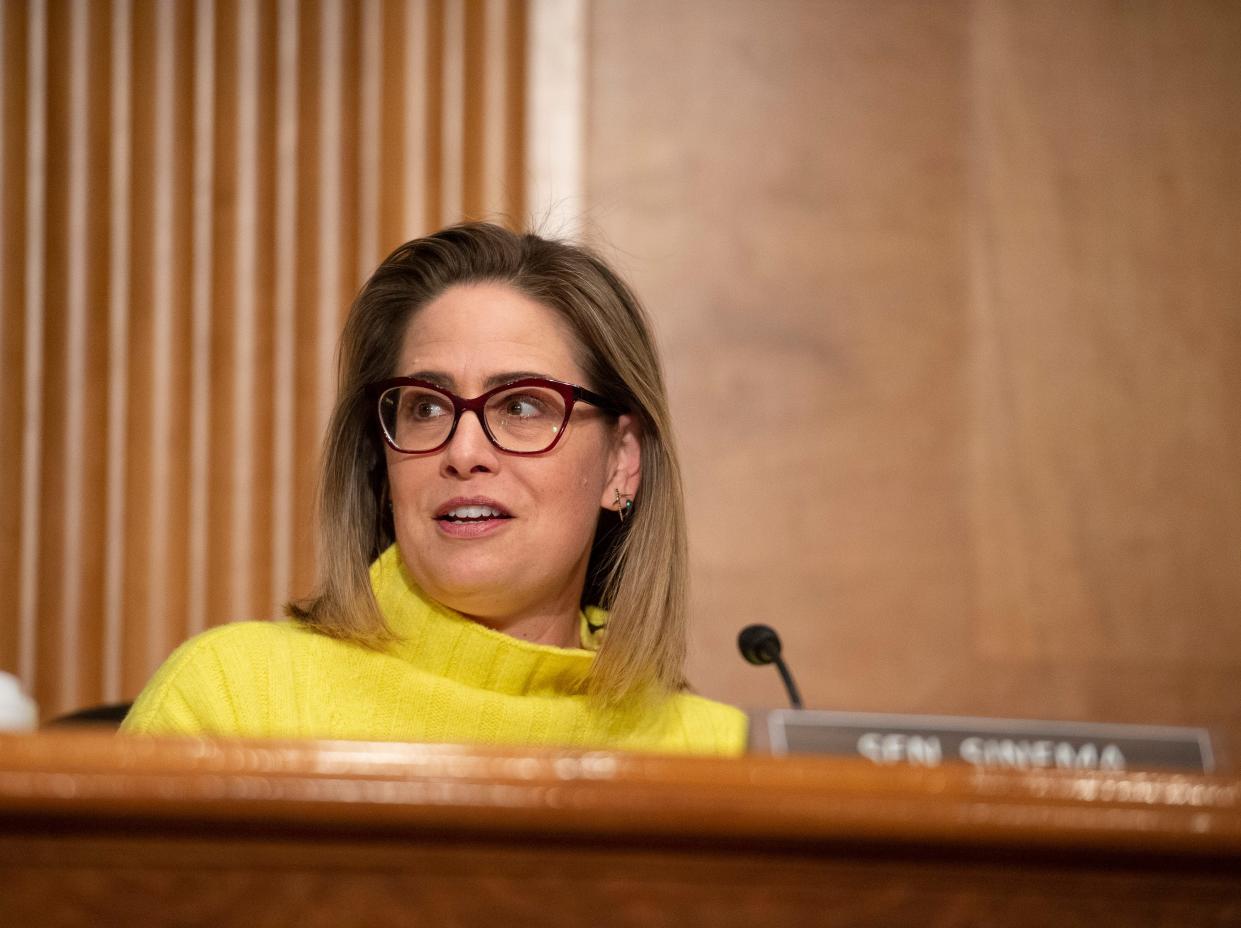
column 17, row 710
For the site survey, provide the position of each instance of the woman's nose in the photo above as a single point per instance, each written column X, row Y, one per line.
column 470, row 451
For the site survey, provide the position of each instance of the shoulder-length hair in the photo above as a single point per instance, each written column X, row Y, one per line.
column 638, row 567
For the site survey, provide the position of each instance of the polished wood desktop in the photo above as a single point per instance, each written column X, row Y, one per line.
column 99, row 829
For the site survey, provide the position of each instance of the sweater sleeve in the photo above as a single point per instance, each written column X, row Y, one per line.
column 192, row 693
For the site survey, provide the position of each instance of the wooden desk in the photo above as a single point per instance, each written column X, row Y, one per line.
column 97, row 829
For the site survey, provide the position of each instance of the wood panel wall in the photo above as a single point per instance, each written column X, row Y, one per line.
column 984, row 249
column 950, row 302
column 191, row 192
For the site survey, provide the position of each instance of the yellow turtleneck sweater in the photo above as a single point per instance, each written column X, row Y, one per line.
column 446, row 678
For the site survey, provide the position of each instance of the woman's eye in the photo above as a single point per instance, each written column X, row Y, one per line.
column 524, row 407
column 424, row 408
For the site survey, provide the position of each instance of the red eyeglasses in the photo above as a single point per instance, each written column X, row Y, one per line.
column 525, row 416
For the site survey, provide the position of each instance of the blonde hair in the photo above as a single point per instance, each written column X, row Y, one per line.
column 638, row 568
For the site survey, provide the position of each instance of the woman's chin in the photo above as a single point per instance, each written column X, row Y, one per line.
column 441, row 563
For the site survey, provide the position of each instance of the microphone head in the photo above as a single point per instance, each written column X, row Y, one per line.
column 759, row 644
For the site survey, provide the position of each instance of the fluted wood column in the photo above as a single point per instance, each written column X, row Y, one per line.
column 191, row 192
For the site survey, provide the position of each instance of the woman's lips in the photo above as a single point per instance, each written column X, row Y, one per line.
column 471, row 517
column 473, row 529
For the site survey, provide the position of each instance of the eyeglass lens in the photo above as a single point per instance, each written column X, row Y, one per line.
column 524, row 419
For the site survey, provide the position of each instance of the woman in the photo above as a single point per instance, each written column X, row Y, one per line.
column 502, row 531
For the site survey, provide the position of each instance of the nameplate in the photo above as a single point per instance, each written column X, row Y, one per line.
column 930, row 740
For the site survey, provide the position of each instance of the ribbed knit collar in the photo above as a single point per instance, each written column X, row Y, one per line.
column 444, row 642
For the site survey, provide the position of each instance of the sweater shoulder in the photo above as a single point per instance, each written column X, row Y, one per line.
column 238, row 647
column 205, row 684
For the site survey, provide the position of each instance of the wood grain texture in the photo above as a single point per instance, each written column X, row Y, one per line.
column 949, row 309
column 175, row 832
column 257, row 882
column 1106, row 335
column 192, row 193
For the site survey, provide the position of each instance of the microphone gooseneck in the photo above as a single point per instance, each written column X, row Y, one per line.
column 759, row 644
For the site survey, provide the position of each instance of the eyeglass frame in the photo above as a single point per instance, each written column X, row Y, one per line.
column 571, row 393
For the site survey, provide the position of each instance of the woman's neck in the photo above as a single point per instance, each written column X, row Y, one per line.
column 549, row 615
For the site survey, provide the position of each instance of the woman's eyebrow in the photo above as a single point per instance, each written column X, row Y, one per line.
column 440, row 379
column 434, row 377
column 496, row 380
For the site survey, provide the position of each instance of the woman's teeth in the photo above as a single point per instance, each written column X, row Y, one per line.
column 473, row 514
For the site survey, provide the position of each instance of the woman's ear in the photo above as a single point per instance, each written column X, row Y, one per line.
column 624, row 462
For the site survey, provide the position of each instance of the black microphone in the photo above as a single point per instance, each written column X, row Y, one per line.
column 760, row 644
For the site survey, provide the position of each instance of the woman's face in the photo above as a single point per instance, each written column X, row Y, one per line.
column 527, row 569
